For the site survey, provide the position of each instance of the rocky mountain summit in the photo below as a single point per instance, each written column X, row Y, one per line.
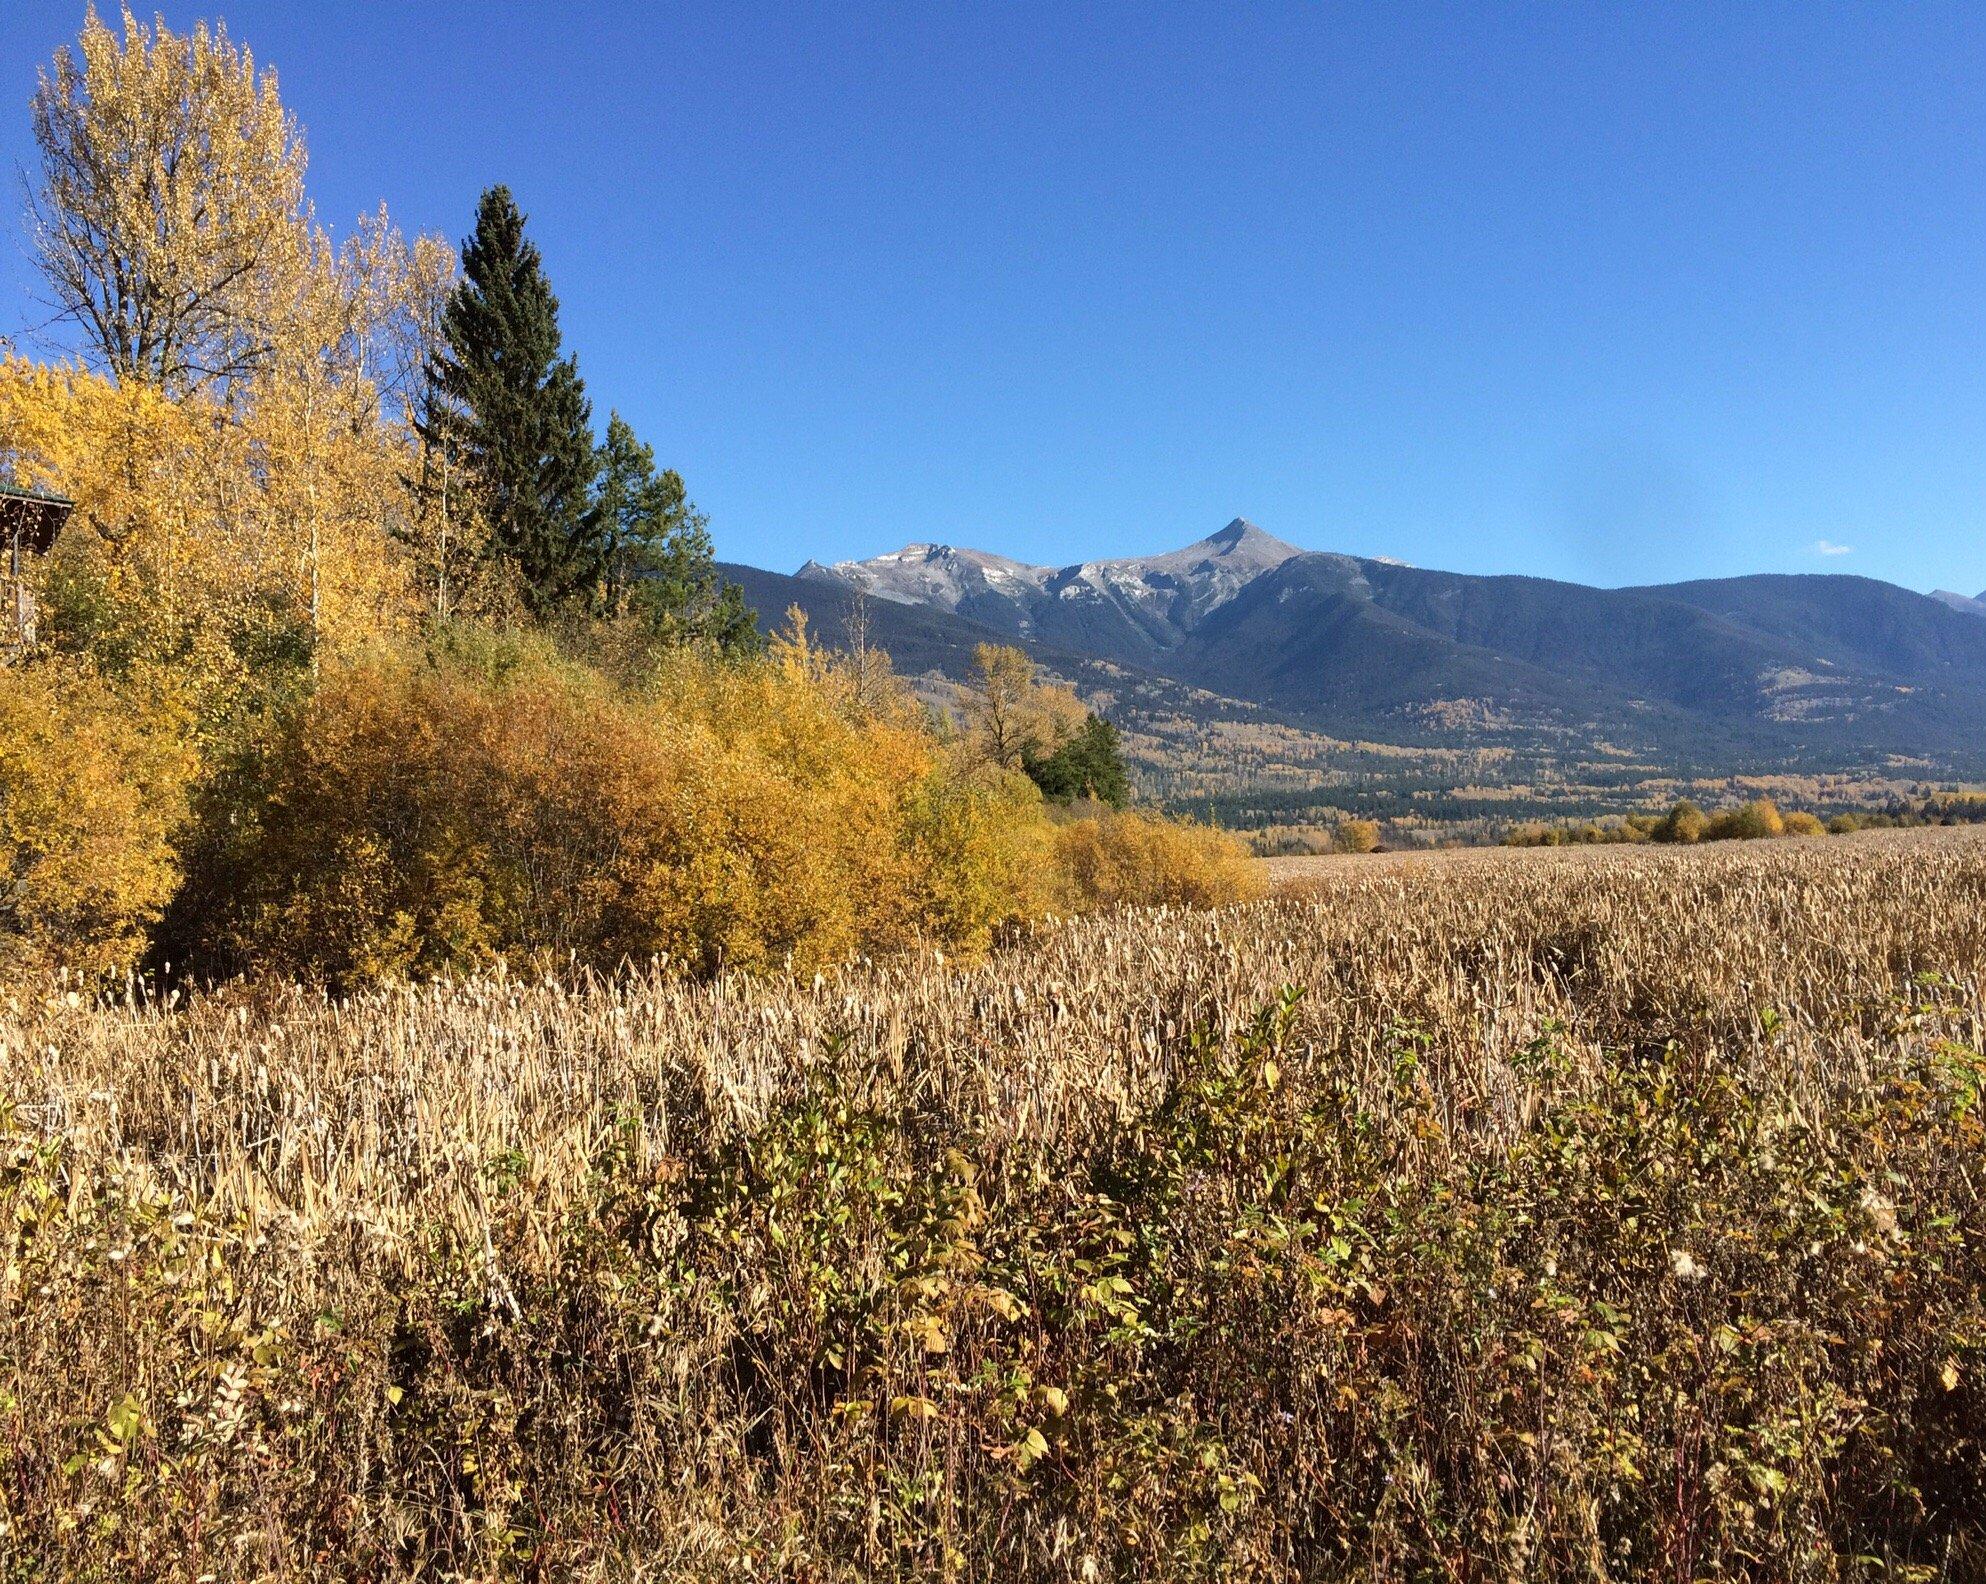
column 1727, row 668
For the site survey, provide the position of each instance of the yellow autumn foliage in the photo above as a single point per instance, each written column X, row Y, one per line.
column 1746, row 822
column 428, row 812
column 1122, row 857
column 171, row 220
column 89, row 798
column 211, row 548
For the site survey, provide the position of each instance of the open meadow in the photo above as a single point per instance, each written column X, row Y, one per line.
column 1607, row 1213
column 1301, row 874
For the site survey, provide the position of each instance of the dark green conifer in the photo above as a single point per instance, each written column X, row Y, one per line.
column 514, row 410
column 657, row 560
column 1090, row 764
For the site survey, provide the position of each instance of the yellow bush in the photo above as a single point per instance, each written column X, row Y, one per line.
column 986, row 854
column 89, row 800
column 1802, row 823
column 1747, row 822
column 435, row 810
column 422, row 814
column 1358, row 836
column 1685, row 823
column 1125, row 857
column 907, row 841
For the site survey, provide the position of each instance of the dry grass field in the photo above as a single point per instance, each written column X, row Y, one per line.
column 1306, row 872
column 1573, row 1214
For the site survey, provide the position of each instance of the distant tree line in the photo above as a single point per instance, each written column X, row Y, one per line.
column 1686, row 823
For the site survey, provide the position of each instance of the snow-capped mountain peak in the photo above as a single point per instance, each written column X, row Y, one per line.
column 934, row 574
column 1156, row 598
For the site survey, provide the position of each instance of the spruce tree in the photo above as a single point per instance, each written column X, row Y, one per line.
column 656, row 554
column 1089, row 764
column 516, row 414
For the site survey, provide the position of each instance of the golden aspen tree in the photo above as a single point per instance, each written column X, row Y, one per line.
column 170, row 215
column 141, row 580
column 1013, row 717
column 243, row 455
column 332, row 473
column 397, row 290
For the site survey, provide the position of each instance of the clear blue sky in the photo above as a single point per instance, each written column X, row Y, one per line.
column 1603, row 292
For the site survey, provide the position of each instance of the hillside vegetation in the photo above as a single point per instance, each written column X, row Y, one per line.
column 1444, row 767
column 1555, row 1215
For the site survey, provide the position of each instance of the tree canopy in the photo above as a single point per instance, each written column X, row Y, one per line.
column 1021, row 723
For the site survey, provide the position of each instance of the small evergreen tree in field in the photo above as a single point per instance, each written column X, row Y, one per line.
column 1089, row 763
column 514, row 409
column 655, row 549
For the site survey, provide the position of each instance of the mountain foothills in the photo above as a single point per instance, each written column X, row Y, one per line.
column 1279, row 687
column 1799, row 675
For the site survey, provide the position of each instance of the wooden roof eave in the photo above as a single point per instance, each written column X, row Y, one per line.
column 31, row 519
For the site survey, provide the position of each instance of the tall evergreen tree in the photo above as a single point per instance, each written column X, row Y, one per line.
column 1088, row 764
column 657, row 560
column 515, row 413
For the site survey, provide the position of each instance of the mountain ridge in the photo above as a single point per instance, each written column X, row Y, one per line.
column 1119, row 607
column 1970, row 604
column 1784, row 664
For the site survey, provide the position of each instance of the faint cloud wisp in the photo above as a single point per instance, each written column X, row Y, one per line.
column 1827, row 547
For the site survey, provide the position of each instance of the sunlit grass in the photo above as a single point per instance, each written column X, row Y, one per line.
column 1608, row 1214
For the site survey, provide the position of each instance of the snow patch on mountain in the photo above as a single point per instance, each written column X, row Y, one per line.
column 1169, row 592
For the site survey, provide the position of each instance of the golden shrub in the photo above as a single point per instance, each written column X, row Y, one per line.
column 1801, row 823
column 427, row 813
column 89, row 799
column 1685, row 823
column 986, row 853
column 1124, row 858
column 1747, row 822
column 1357, row 836
column 900, row 839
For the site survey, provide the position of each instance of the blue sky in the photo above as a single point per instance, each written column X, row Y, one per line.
column 1607, row 293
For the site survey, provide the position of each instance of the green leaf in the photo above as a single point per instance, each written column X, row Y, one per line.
column 125, row 1418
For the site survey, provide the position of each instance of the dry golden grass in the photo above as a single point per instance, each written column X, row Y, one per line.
column 1593, row 1213
column 1300, row 874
